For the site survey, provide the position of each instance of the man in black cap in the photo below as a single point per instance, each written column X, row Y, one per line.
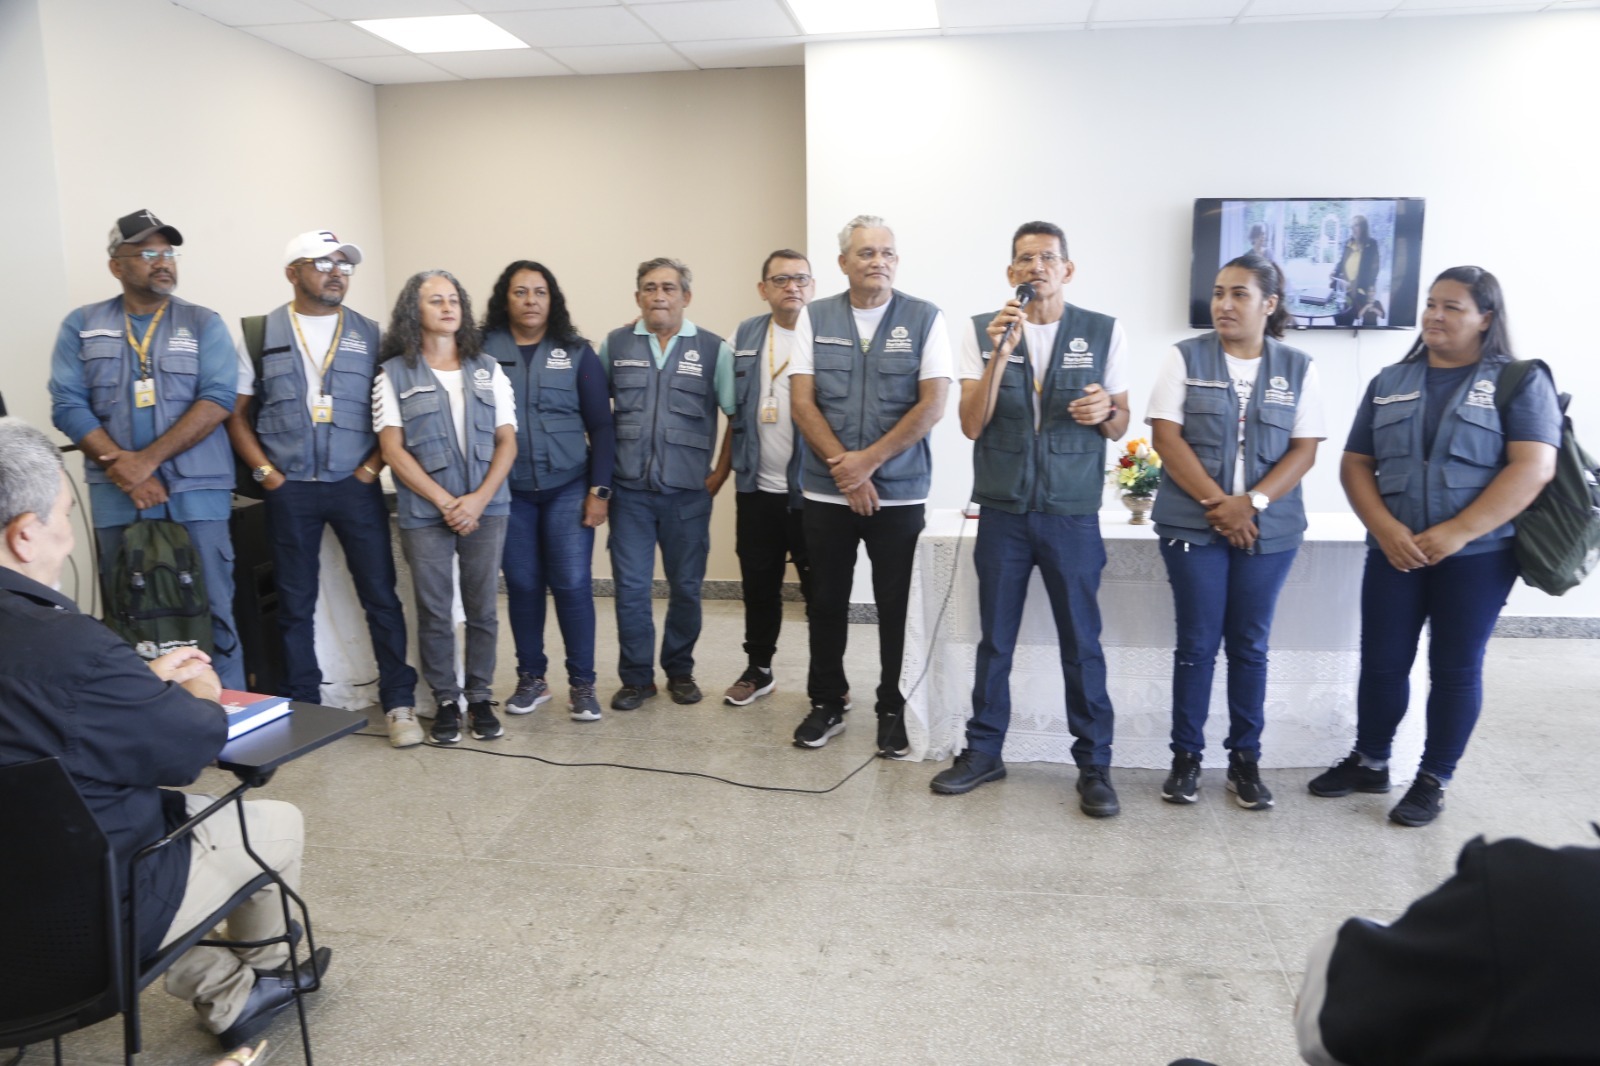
column 142, row 383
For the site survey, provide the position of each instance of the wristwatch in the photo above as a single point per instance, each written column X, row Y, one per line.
column 601, row 492
column 1259, row 501
column 261, row 473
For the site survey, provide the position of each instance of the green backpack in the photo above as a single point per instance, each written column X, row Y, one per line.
column 157, row 596
column 1558, row 536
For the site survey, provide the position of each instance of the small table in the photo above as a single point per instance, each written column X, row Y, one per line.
column 253, row 757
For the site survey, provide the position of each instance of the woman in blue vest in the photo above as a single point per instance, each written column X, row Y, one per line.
column 560, row 483
column 447, row 424
column 1436, row 472
column 1236, row 417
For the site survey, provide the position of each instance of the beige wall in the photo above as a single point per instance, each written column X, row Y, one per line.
column 591, row 176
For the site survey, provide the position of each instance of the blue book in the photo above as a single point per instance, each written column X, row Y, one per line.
column 251, row 710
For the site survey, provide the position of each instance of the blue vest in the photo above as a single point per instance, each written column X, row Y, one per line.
column 749, row 349
column 863, row 395
column 666, row 419
column 1060, row 468
column 552, row 444
column 1424, row 489
column 109, row 367
column 430, row 434
column 301, row 449
column 1211, row 429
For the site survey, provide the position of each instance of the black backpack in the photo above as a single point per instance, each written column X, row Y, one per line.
column 1558, row 536
column 157, row 595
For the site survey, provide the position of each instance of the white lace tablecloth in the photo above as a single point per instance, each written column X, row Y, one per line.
column 1311, row 681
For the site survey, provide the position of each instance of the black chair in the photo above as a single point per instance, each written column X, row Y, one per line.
column 68, row 950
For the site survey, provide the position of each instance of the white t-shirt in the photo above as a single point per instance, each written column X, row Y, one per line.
column 386, row 405
column 318, row 330
column 1041, row 342
column 1166, row 401
column 777, row 438
column 937, row 362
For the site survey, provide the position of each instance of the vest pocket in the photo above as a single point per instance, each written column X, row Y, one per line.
column 630, row 452
column 687, row 396
column 897, row 384
column 1393, row 483
column 1392, row 429
column 558, row 392
column 685, row 459
column 999, row 464
column 1273, row 426
column 179, row 377
column 1477, row 438
column 566, row 444
column 831, row 374
column 628, row 386
column 102, row 371
column 1207, row 419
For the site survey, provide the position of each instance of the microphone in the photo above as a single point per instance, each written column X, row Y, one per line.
column 1024, row 298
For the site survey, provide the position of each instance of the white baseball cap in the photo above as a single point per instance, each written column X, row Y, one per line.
column 317, row 244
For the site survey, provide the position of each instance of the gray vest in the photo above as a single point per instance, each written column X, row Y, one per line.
column 749, row 349
column 1424, row 489
column 1060, row 469
column 1211, row 429
column 301, row 449
column 430, row 434
column 863, row 395
column 552, row 445
column 109, row 367
column 666, row 419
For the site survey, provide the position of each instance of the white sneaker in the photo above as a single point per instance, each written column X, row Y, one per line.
column 404, row 732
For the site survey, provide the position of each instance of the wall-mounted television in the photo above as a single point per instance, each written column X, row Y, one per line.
column 1347, row 264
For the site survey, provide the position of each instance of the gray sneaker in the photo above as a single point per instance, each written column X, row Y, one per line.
column 582, row 703
column 531, row 691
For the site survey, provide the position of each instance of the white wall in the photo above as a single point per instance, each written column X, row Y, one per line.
column 1113, row 134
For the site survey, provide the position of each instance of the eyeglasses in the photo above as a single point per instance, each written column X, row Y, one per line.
column 783, row 281
column 150, row 255
column 1026, row 260
column 326, row 266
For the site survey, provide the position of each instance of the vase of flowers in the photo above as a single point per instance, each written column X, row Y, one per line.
column 1137, row 474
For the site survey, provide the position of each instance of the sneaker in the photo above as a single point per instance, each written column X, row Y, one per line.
column 752, row 684
column 404, row 732
column 682, row 689
column 1184, row 780
column 629, row 697
column 1347, row 777
column 822, row 723
column 531, row 691
column 582, row 703
column 971, row 769
column 1244, row 781
column 1424, row 800
column 446, row 723
column 892, row 742
column 1096, row 797
column 485, row 726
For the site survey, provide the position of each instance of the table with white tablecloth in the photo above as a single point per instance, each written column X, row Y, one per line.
column 1311, row 679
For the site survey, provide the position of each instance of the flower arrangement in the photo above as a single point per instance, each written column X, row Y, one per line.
column 1137, row 471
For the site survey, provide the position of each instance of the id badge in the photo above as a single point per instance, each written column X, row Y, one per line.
column 769, row 410
column 322, row 410
column 144, row 393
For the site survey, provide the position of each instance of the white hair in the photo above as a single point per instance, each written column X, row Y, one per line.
column 30, row 471
column 859, row 222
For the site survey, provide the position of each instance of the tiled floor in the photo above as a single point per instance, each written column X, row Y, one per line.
column 494, row 910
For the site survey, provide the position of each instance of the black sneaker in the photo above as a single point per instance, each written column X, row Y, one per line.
column 752, row 684
column 822, row 723
column 682, row 689
column 892, row 742
column 971, row 769
column 532, row 690
column 629, row 697
column 485, row 726
column 446, row 723
column 1347, row 777
column 1096, row 797
column 1183, row 782
column 1244, row 781
column 1424, row 800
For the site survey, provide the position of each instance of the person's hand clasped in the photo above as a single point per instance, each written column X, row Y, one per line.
column 1400, row 547
column 128, row 469
column 851, row 470
column 1233, row 517
column 1092, row 408
column 148, row 493
column 1437, row 543
column 863, row 500
column 462, row 513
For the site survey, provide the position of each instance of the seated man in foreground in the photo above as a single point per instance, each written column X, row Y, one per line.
column 70, row 688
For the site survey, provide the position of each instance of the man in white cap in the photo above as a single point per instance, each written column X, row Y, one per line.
column 303, row 424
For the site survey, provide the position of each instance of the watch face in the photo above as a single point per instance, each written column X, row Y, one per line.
column 601, row 492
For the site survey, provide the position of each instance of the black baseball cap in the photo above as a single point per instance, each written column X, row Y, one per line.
column 131, row 229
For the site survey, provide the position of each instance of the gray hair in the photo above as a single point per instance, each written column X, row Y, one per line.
column 660, row 261
column 30, row 471
column 860, row 222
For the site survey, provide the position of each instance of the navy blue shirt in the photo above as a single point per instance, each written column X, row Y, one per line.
column 1533, row 413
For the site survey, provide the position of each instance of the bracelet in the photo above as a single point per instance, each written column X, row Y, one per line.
column 1110, row 414
column 369, row 469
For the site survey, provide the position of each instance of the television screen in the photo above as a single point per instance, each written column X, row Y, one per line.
column 1347, row 264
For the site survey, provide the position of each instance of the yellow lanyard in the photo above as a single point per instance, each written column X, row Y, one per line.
column 327, row 360
column 142, row 347
column 772, row 385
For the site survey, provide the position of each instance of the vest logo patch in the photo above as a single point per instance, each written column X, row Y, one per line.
column 1078, row 345
column 692, row 369
column 558, row 360
column 692, row 355
column 353, row 342
column 1482, row 394
column 85, row 334
column 183, row 341
column 899, row 341
column 1396, row 398
column 630, row 362
column 1077, row 359
column 1283, row 397
column 1280, row 382
column 899, row 333
column 844, row 342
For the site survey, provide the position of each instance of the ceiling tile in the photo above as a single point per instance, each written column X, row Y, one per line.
column 622, row 59
column 716, row 20
column 1463, row 5
column 1497, row 8
column 487, row 6
column 389, row 9
column 1335, row 16
column 325, row 40
column 576, row 27
column 1259, row 8
column 1167, row 10
column 253, row 12
column 1158, row 24
column 503, row 63
column 977, row 31
column 957, row 14
column 769, row 52
column 390, row 70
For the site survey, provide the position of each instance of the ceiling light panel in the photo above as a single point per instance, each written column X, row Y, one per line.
column 857, row 16
column 442, row 33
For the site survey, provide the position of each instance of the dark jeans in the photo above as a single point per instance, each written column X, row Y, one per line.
column 548, row 546
column 833, row 532
column 768, row 535
column 1069, row 553
column 1460, row 598
column 430, row 551
column 297, row 511
column 681, row 523
column 1221, row 596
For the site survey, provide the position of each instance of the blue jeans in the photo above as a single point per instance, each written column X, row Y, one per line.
column 297, row 512
column 681, row 523
column 1460, row 598
column 1221, row 596
column 548, row 546
column 1069, row 553
column 214, row 545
